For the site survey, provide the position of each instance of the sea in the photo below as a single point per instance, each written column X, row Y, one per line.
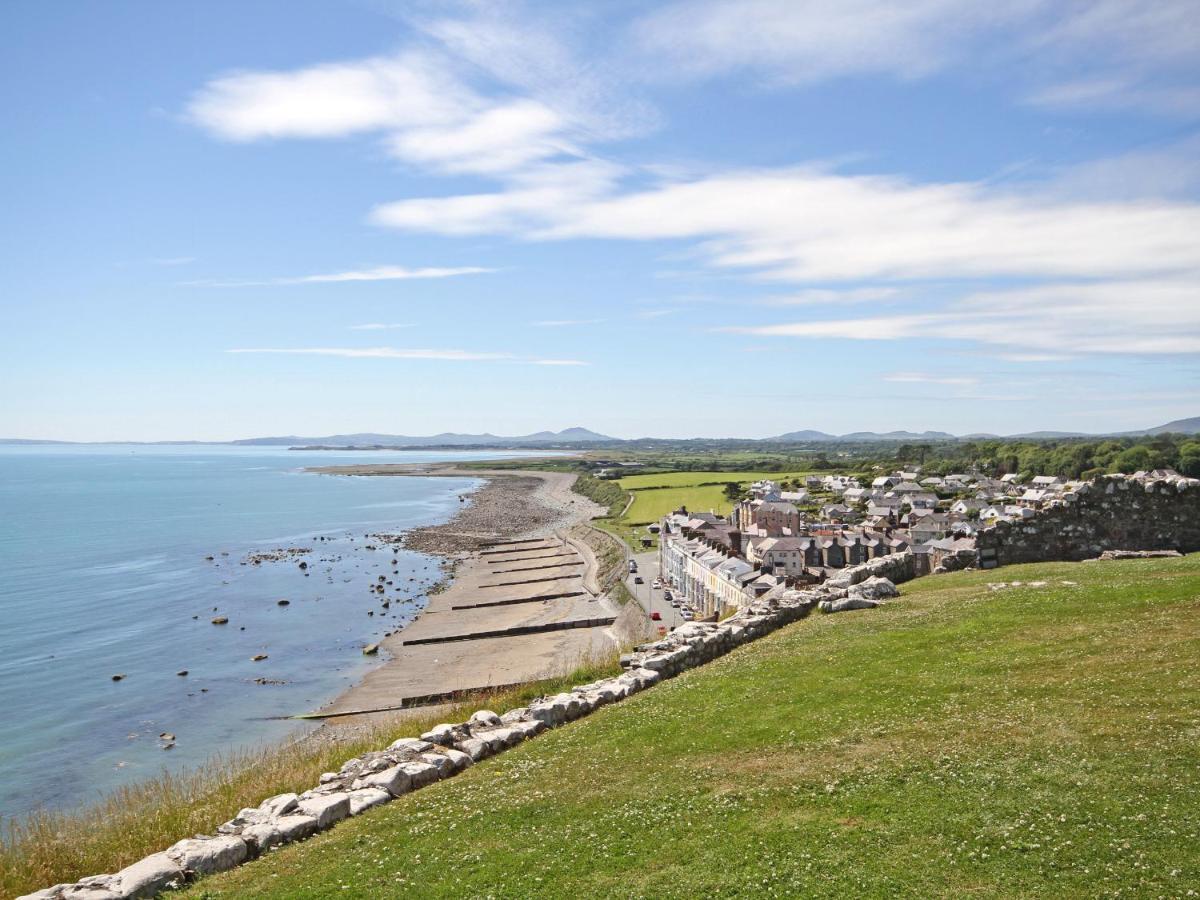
column 116, row 559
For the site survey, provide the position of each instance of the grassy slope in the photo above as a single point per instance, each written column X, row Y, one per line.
column 955, row 742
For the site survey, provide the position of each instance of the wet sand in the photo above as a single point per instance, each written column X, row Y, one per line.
column 548, row 580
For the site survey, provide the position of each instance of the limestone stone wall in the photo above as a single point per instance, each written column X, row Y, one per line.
column 1114, row 512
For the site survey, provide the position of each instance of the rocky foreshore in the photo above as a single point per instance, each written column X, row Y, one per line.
column 504, row 507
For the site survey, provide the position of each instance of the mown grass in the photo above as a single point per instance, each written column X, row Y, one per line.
column 52, row 847
column 1031, row 741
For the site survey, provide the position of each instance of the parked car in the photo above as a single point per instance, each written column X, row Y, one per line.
column 632, row 566
column 686, row 615
column 637, row 579
column 668, row 596
column 656, row 583
column 656, row 616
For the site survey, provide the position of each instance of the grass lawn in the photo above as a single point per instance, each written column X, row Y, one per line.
column 1030, row 741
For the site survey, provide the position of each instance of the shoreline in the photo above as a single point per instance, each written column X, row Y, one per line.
column 505, row 613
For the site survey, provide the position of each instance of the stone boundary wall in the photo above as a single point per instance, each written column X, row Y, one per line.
column 1113, row 512
column 410, row 764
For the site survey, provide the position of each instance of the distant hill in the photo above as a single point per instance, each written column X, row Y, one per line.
column 808, row 435
column 445, row 439
column 1179, row 426
column 576, row 436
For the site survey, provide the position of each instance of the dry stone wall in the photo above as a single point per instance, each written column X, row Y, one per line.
column 1114, row 512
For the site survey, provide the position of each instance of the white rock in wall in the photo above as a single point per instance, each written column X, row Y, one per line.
column 874, row 588
column 326, row 808
column 209, row 855
column 367, row 798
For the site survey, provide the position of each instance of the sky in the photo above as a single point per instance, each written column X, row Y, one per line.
column 692, row 218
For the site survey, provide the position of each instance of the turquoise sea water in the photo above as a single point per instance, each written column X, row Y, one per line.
column 103, row 571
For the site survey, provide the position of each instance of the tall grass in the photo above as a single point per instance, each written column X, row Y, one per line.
column 50, row 847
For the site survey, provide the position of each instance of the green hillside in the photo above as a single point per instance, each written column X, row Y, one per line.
column 960, row 741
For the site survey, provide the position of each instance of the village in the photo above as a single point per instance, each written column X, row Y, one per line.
column 796, row 534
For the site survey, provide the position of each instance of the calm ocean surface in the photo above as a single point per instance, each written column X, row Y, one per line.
column 103, row 571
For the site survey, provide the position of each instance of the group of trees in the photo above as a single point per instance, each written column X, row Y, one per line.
column 1066, row 457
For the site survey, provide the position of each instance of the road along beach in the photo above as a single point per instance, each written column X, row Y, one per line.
column 522, row 600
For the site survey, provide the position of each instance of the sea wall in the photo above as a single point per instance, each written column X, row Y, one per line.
column 1114, row 512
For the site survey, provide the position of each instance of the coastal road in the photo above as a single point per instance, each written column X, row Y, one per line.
column 651, row 599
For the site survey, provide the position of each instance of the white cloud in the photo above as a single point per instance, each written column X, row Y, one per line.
column 500, row 139
column 1120, row 52
column 379, row 273
column 381, row 326
column 331, row 100
column 407, row 353
column 1123, row 317
column 827, row 297
column 810, row 40
column 807, row 225
column 926, row 378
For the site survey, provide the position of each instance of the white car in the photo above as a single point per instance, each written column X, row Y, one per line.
column 656, row 583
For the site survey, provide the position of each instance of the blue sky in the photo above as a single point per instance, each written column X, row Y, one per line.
column 685, row 219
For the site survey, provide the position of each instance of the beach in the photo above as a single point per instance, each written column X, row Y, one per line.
column 521, row 600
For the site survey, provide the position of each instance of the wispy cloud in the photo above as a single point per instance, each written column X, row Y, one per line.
column 381, row 326
column 927, row 378
column 826, row 297
column 379, row 273
column 1122, row 52
column 655, row 313
column 565, row 323
column 803, row 224
column 408, row 353
column 1148, row 317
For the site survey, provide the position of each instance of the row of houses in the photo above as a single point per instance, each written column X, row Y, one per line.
column 716, row 564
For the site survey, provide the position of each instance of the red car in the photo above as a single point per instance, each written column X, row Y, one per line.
column 656, row 616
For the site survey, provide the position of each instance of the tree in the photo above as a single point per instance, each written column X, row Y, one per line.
column 1189, row 459
column 733, row 491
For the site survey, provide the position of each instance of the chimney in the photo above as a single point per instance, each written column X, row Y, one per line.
column 735, row 542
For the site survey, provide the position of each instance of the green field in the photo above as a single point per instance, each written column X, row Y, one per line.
column 959, row 741
column 687, row 479
column 651, row 505
column 659, row 494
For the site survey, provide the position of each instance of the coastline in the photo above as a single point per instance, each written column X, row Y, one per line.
column 506, row 612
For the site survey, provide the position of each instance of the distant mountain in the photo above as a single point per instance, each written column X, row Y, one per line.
column 586, row 436
column 807, row 435
column 1179, row 426
column 445, row 439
